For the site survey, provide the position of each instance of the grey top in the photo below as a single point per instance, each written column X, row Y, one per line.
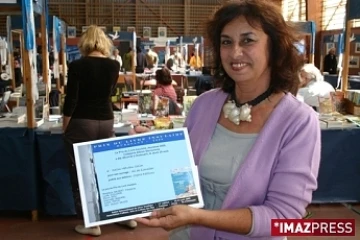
column 225, row 153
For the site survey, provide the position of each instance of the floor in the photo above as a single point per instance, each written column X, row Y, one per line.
column 19, row 227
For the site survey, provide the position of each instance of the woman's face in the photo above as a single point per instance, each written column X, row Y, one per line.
column 244, row 52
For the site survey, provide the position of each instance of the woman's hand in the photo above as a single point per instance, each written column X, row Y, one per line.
column 138, row 129
column 171, row 218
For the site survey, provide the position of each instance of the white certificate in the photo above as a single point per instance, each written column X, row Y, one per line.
column 127, row 177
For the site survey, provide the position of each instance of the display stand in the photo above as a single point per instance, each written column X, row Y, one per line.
column 352, row 13
column 26, row 34
column 189, row 44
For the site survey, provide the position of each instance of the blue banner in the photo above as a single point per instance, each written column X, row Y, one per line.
column 56, row 33
column 28, row 24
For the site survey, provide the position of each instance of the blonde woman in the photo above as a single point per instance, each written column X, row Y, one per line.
column 88, row 113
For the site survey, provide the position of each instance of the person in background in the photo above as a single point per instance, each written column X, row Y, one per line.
column 116, row 56
column 39, row 60
column 152, row 59
column 195, row 61
column 312, row 86
column 256, row 146
column 18, row 73
column 88, row 113
column 128, row 60
column 140, row 60
column 164, row 88
column 330, row 62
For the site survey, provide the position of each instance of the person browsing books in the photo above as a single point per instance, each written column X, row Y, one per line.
column 256, row 146
column 88, row 113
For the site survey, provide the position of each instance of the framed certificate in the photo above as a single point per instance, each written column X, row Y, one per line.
column 127, row 177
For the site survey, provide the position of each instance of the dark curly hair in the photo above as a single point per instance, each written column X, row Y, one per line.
column 284, row 60
column 163, row 76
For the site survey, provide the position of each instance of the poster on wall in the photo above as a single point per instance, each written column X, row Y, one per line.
column 354, row 62
column 162, row 32
column 116, row 29
column 130, row 29
column 71, row 32
column 357, row 47
column 146, row 32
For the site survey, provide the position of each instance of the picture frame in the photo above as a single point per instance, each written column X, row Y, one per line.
column 146, row 32
column 329, row 46
column 162, row 32
column 71, row 32
column 354, row 62
column 131, row 29
column 357, row 47
column 116, row 29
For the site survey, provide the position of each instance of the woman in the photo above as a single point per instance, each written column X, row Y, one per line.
column 87, row 110
column 264, row 166
column 312, row 86
column 164, row 88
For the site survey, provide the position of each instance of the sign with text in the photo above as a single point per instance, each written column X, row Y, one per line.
column 127, row 177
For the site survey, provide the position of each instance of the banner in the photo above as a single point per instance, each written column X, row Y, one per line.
column 30, row 43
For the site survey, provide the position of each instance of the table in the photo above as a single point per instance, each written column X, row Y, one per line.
column 353, row 83
column 339, row 175
column 19, row 176
column 57, row 196
column 23, row 151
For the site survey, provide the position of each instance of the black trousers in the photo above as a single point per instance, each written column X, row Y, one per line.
column 82, row 130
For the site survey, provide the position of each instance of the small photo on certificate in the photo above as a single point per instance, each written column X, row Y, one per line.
column 127, row 177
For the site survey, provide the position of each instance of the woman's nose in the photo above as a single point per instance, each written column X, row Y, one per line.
column 237, row 51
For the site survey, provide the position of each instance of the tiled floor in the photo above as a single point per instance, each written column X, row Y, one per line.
column 49, row 228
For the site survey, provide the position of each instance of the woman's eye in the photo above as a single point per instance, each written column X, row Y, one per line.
column 248, row 40
column 225, row 42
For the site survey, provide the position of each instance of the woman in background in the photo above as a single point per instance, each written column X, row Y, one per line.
column 164, row 88
column 88, row 113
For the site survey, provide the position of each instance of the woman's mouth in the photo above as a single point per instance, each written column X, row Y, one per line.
column 238, row 66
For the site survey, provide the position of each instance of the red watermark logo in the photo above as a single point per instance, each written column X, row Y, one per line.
column 313, row 227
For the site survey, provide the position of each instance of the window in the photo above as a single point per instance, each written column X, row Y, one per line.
column 294, row 10
column 333, row 14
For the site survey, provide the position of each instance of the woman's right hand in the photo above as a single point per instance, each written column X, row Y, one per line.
column 138, row 129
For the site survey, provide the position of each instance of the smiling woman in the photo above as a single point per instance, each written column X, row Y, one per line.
column 256, row 146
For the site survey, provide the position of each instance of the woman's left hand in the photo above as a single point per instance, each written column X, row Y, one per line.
column 170, row 218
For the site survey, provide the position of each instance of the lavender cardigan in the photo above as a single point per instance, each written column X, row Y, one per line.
column 278, row 176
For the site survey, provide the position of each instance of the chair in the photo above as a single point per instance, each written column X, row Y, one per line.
column 3, row 104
